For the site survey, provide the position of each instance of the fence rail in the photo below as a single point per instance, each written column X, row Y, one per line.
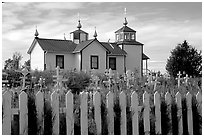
column 135, row 109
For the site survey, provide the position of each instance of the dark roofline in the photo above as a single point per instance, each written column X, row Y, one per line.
column 145, row 57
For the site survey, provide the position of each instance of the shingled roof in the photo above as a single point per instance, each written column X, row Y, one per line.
column 54, row 45
column 125, row 29
column 113, row 49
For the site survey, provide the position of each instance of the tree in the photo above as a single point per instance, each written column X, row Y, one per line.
column 8, row 64
column 185, row 58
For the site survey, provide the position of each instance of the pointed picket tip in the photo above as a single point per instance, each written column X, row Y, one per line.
column 178, row 96
column 22, row 94
column 199, row 97
column 156, row 98
column 145, row 94
column 39, row 93
column 122, row 93
column 168, row 97
column 7, row 94
column 134, row 94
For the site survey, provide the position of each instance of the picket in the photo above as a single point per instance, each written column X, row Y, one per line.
column 109, row 99
column 199, row 102
column 146, row 113
column 23, row 99
column 123, row 125
column 84, row 115
column 189, row 113
column 6, row 127
column 97, row 111
column 55, row 112
column 179, row 113
column 168, row 103
column 40, row 111
column 157, row 104
column 69, row 113
column 134, row 107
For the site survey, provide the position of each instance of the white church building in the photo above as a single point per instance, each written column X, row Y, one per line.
column 84, row 54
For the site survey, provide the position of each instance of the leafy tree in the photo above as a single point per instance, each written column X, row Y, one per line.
column 8, row 64
column 16, row 59
column 185, row 58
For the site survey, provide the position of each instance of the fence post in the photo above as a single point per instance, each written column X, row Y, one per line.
column 23, row 102
column 157, row 104
column 146, row 113
column 168, row 103
column 55, row 112
column 97, row 111
column 40, row 112
column 179, row 113
column 109, row 98
column 69, row 113
column 199, row 106
column 134, row 107
column 84, row 115
column 189, row 113
column 6, row 127
column 123, row 125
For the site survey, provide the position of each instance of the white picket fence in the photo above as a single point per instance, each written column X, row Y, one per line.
column 22, row 111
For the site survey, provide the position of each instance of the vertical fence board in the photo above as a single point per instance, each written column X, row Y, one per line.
column 199, row 106
column 168, row 103
column 109, row 98
column 157, row 104
column 134, row 107
column 84, row 115
column 69, row 113
column 55, row 112
column 6, row 126
column 23, row 102
column 189, row 113
column 199, row 101
column 123, row 125
column 40, row 112
column 146, row 113
column 179, row 113
column 97, row 111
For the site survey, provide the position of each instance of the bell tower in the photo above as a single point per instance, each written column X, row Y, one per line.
column 125, row 38
column 79, row 35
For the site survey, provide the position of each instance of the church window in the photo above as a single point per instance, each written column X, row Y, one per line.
column 117, row 37
column 112, row 63
column 132, row 36
column 60, row 61
column 94, row 62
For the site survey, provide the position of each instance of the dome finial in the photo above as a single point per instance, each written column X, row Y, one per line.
column 95, row 33
column 36, row 32
column 79, row 24
column 125, row 12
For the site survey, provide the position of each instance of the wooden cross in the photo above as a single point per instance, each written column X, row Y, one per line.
column 186, row 78
column 95, row 80
column 110, row 73
column 128, row 74
column 25, row 72
column 59, row 79
column 179, row 79
column 149, row 79
column 155, row 82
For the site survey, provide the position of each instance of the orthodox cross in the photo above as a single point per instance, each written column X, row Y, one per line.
column 95, row 79
column 125, row 11
column 59, row 77
column 25, row 72
column 149, row 79
column 186, row 78
column 155, row 82
column 179, row 78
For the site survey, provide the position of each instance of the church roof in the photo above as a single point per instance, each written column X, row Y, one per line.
column 113, row 49
column 82, row 45
column 125, row 29
column 144, row 57
column 79, row 31
column 130, row 42
column 54, row 45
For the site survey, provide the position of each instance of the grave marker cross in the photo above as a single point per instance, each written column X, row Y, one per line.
column 186, row 78
column 25, row 72
column 155, row 82
column 179, row 78
column 59, row 77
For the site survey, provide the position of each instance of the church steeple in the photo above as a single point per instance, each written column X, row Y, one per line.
column 36, row 32
column 125, row 22
column 95, row 33
column 79, row 25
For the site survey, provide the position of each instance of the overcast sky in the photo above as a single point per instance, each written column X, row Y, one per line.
column 160, row 26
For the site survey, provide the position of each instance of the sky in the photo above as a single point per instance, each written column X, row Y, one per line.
column 159, row 26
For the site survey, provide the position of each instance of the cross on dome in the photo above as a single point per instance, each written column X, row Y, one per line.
column 125, row 22
column 179, row 78
column 36, row 32
column 95, row 33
